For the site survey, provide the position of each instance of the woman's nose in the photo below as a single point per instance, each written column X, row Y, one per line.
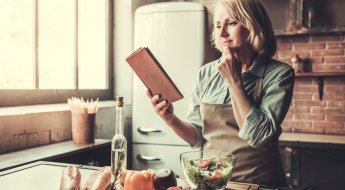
column 224, row 31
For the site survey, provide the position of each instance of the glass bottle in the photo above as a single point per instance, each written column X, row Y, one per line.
column 118, row 145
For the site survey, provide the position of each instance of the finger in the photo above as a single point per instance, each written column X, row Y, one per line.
column 233, row 51
column 224, row 63
column 223, row 59
column 164, row 109
column 154, row 99
column 149, row 93
column 227, row 51
column 161, row 104
column 159, row 107
column 230, row 51
column 227, row 55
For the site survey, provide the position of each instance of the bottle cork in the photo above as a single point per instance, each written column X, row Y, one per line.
column 119, row 101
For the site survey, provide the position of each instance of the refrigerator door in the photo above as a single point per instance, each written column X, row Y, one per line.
column 175, row 33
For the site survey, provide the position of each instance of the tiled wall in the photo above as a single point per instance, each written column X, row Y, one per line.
column 309, row 114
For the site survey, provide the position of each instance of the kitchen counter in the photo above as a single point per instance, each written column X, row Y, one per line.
column 304, row 154
column 48, row 152
column 312, row 140
column 38, row 175
column 47, row 175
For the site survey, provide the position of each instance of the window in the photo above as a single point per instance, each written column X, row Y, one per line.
column 53, row 49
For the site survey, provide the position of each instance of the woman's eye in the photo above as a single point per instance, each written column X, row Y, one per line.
column 231, row 23
column 218, row 26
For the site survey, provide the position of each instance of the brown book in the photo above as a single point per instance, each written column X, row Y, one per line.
column 152, row 74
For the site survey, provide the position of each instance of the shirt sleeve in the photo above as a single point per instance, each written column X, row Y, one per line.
column 194, row 118
column 264, row 121
column 193, row 115
column 199, row 138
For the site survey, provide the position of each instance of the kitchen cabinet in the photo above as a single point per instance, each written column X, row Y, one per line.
column 158, row 156
column 281, row 13
column 306, row 16
column 322, row 15
column 155, row 145
column 314, row 161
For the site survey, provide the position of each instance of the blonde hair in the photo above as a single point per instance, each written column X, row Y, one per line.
column 253, row 16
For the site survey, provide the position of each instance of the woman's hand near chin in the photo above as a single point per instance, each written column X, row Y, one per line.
column 162, row 107
column 230, row 67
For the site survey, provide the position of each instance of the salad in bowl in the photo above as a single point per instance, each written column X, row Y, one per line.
column 207, row 170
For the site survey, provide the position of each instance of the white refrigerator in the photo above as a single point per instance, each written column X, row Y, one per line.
column 175, row 33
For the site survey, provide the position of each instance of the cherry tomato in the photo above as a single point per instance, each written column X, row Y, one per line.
column 219, row 164
column 216, row 175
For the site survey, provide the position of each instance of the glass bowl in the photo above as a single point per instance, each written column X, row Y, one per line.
column 207, row 170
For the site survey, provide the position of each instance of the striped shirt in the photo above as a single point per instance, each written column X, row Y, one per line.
column 263, row 121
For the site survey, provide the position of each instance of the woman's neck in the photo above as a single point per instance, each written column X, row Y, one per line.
column 246, row 58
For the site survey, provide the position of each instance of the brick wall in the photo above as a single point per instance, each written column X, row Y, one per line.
column 309, row 114
column 325, row 52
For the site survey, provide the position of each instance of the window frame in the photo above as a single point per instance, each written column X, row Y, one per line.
column 22, row 97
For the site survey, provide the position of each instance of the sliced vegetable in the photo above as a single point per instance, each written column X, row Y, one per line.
column 204, row 163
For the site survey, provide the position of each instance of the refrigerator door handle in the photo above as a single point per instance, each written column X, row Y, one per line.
column 142, row 157
column 145, row 130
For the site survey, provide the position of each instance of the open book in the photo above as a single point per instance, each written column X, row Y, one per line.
column 152, row 74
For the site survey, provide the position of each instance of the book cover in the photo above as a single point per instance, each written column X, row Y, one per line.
column 152, row 74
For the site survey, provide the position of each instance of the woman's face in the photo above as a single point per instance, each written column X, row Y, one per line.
column 229, row 33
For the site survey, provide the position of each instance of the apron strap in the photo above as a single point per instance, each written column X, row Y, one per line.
column 208, row 82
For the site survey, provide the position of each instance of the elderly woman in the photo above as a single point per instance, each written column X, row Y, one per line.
column 240, row 100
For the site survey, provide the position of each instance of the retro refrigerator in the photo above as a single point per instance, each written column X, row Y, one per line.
column 175, row 32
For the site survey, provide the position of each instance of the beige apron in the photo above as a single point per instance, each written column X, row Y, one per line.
column 253, row 165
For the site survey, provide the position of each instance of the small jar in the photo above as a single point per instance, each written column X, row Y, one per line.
column 297, row 63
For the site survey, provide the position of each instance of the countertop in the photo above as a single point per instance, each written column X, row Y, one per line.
column 38, row 175
column 56, row 150
column 47, row 175
column 312, row 140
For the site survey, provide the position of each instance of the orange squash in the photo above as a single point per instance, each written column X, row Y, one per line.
column 138, row 180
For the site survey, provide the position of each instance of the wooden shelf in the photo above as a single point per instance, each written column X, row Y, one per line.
column 320, row 76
